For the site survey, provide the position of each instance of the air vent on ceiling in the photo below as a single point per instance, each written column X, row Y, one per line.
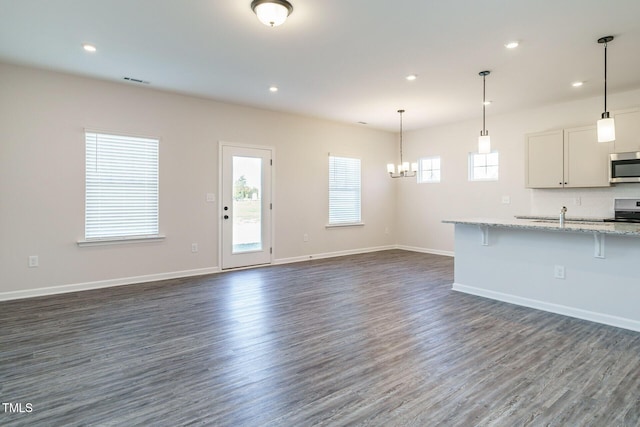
column 131, row 79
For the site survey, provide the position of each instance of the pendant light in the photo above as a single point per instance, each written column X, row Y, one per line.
column 484, row 141
column 272, row 12
column 606, row 125
column 404, row 171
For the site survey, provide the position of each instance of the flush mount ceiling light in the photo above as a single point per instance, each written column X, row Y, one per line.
column 512, row 45
column 89, row 47
column 606, row 125
column 273, row 88
column 411, row 77
column 577, row 84
column 403, row 168
column 272, row 12
column 484, row 141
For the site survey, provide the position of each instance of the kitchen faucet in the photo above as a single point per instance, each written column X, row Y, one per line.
column 563, row 213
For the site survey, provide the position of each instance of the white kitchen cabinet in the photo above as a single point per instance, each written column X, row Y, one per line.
column 627, row 130
column 544, row 163
column 569, row 158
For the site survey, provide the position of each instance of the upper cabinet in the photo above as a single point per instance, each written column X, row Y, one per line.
column 544, row 167
column 569, row 158
column 586, row 161
column 627, row 130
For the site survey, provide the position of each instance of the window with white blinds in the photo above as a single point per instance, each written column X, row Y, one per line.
column 344, row 190
column 121, row 199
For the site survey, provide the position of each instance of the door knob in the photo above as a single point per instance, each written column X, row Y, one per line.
column 226, row 217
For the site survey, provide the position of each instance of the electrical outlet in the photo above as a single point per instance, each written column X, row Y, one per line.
column 211, row 197
column 33, row 261
column 305, row 237
column 558, row 271
column 577, row 201
column 194, row 247
column 506, row 200
column 386, row 230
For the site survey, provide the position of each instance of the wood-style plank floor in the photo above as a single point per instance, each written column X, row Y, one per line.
column 374, row 339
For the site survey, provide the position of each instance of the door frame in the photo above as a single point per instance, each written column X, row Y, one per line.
column 219, row 209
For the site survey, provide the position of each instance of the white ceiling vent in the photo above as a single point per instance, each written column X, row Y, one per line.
column 131, row 79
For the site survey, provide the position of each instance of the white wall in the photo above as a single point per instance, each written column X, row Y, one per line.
column 43, row 115
column 602, row 290
column 422, row 207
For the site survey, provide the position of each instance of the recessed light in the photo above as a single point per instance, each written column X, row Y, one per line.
column 577, row 84
column 273, row 89
column 89, row 47
column 512, row 45
column 411, row 77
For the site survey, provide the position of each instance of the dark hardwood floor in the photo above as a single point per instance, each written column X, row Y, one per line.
column 375, row 339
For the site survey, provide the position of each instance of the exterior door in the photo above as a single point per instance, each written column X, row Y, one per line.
column 245, row 206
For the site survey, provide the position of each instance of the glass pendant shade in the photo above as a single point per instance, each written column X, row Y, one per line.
column 391, row 168
column 272, row 13
column 606, row 129
column 484, row 144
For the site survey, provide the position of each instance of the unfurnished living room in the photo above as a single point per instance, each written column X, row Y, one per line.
column 319, row 212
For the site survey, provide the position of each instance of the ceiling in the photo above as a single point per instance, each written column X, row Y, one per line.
column 343, row 60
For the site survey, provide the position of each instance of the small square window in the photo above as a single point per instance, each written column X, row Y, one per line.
column 429, row 169
column 483, row 167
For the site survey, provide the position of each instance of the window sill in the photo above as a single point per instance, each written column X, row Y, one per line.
column 346, row 224
column 120, row 240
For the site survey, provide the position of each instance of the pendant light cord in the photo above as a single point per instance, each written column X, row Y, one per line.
column 484, row 103
column 484, row 75
column 605, row 77
column 401, row 111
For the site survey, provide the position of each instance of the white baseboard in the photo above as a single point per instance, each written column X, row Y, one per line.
column 333, row 254
column 30, row 293
column 607, row 319
column 53, row 290
column 425, row 250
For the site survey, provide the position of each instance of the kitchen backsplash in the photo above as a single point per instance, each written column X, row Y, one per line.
column 581, row 202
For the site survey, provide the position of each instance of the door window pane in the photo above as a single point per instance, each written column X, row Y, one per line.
column 247, row 204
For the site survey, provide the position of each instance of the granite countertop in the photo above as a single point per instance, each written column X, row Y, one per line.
column 544, row 224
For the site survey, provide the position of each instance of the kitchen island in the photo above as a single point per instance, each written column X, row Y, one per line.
column 588, row 270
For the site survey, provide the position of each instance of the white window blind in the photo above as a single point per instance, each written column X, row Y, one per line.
column 121, row 199
column 344, row 190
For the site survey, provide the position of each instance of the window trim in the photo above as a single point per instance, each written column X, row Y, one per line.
column 126, row 238
column 359, row 222
column 120, row 240
column 471, row 167
column 420, row 170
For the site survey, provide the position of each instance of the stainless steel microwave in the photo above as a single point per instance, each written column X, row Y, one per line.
column 624, row 167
